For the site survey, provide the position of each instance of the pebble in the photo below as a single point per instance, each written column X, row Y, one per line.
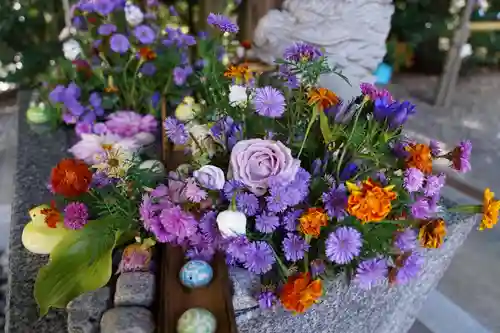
column 129, row 319
column 85, row 311
column 245, row 286
column 135, row 289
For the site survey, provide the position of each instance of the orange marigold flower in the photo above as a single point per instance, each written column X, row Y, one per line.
column 419, row 157
column 491, row 207
column 300, row 292
column 52, row 215
column 312, row 221
column 370, row 202
column 70, row 178
column 241, row 73
column 146, row 53
column 323, row 97
column 432, row 232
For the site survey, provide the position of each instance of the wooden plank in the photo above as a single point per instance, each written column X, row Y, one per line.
column 174, row 298
column 453, row 60
column 484, row 26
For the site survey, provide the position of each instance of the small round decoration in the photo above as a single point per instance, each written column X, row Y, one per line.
column 196, row 273
column 197, row 320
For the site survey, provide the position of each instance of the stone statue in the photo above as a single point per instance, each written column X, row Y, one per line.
column 352, row 33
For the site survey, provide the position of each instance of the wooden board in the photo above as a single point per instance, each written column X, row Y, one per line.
column 174, row 298
column 484, row 26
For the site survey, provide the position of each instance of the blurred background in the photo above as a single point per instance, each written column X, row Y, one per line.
column 418, row 49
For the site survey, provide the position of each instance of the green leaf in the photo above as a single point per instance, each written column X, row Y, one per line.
column 469, row 209
column 80, row 263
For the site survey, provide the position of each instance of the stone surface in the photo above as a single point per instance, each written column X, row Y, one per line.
column 135, row 288
column 36, row 155
column 85, row 311
column 133, row 319
column 245, row 287
column 380, row 310
column 352, row 32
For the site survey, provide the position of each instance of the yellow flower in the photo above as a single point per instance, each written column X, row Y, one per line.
column 431, row 233
column 322, row 97
column 241, row 74
column 187, row 109
column 490, row 210
column 312, row 221
column 370, row 202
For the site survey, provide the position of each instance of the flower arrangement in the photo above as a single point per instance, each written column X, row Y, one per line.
column 287, row 179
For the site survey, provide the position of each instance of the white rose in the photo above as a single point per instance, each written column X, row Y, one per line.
column 203, row 143
column 232, row 223
column 133, row 15
column 238, row 95
column 210, row 177
column 71, row 49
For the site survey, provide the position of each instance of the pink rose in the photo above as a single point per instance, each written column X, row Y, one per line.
column 255, row 161
column 130, row 123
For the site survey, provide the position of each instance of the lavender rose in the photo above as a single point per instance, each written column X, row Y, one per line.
column 210, row 177
column 255, row 161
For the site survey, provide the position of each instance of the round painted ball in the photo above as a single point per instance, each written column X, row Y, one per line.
column 196, row 274
column 197, row 320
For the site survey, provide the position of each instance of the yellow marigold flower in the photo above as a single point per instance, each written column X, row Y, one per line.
column 324, row 97
column 419, row 157
column 312, row 221
column 241, row 74
column 432, row 232
column 491, row 207
column 370, row 202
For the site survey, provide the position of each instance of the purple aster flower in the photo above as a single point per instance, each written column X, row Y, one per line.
column 290, row 219
column 147, row 211
column 414, row 179
column 294, row 247
column 231, row 187
column 435, row 149
column 406, row 240
column 269, row 102
column 420, row 209
column 371, row 272
column 145, row 34
column 247, row 203
column 434, row 184
column 104, row 7
column 223, row 23
column 343, row 245
column 281, row 196
column 267, row 300
column 201, row 248
column 119, row 43
column 174, row 226
column 460, row 156
column 176, row 131
column 148, row 69
column 180, row 75
column 301, row 52
column 259, row 257
column 368, row 89
column 335, row 202
column 106, row 29
column 76, row 215
column 410, row 268
column 237, row 248
column 100, row 180
column 291, row 80
column 266, row 222
column 318, row 267
column 193, row 192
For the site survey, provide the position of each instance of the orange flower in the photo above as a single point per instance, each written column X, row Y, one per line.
column 324, row 97
column 300, row 292
column 241, row 73
column 420, row 157
column 146, row 53
column 432, row 232
column 371, row 202
column 70, row 178
column 491, row 208
column 52, row 215
column 312, row 221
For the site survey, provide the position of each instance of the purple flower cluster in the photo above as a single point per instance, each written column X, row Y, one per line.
column 410, row 269
column 290, row 219
column 178, row 39
column 394, row 112
column 227, row 132
column 247, row 203
column 294, row 247
column 282, row 196
column 301, row 52
column 176, row 131
column 267, row 222
column 129, row 123
column 371, row 272
column 76, row 215
column 426, row 204
column 291, row 80
column 414, row 179
column 373, row 93
column 335, row 202
column 406, row 240
column 181, row 73
column 74, row 110
column 267, row 300
column 257, row 257
column 269, row 102
column 223, row 23
column 343, row 244
column 102, row 7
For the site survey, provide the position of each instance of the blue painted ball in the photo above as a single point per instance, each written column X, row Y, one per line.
column 196, row 274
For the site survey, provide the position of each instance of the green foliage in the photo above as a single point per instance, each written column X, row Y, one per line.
column 81, row 262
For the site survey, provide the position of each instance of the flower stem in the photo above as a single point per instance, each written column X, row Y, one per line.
column 306, row 255
column 309, row 126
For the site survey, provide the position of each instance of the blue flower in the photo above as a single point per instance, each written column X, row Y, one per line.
column 223, row 23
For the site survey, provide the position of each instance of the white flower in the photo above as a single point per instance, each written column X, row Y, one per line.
column 115, row 162
column 232, row 223
column 153, row 165
column 133, row 15
column 92, row 146
column 210, row 177
column 187, row 109
column 238, row 95
column 71, row 49
column 203, row 141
